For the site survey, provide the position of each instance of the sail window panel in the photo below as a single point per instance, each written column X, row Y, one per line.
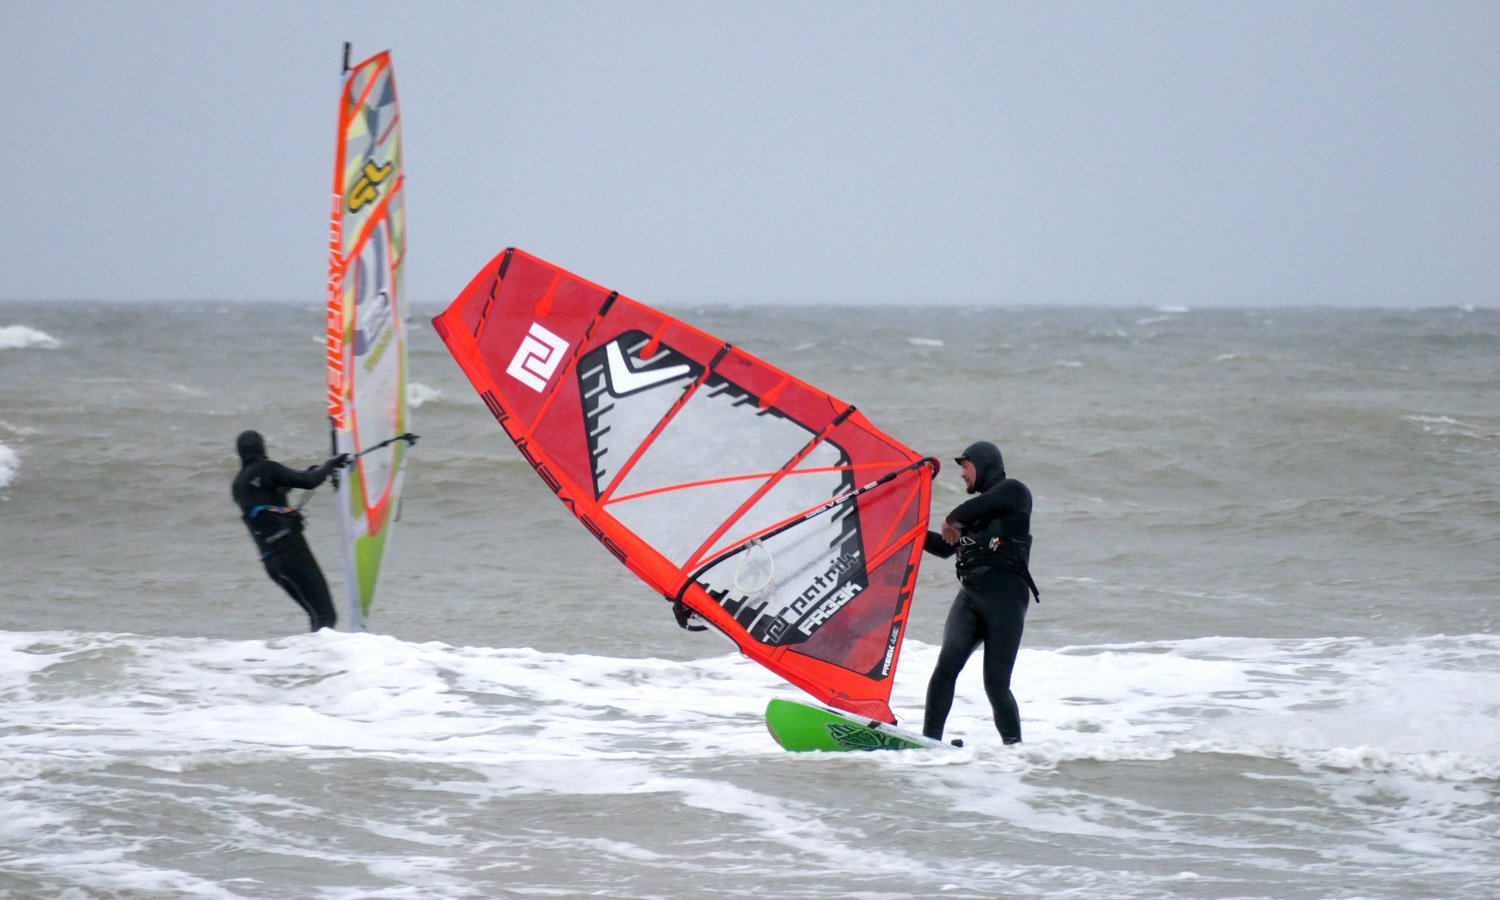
column 383, row 100
column 719, row 434
column 377, row 417
column 796, row 493
column 379, row 114
column 677, row 522
column 626, row 397
column 395, row 214
column 618, row 426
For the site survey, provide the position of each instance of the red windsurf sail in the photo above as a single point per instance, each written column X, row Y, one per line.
column 772, row 510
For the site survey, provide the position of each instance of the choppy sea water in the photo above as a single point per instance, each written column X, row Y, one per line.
column 1265, row 663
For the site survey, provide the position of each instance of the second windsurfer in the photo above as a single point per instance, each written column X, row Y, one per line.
column 260, row 489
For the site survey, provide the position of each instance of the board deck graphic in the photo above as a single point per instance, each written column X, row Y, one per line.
column 802, row 727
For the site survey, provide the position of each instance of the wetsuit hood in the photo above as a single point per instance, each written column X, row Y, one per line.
column 989, row 466
column 251, row 445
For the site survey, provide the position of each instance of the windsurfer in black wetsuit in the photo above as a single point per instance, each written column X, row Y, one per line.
column 260, row 490
column 991, row 534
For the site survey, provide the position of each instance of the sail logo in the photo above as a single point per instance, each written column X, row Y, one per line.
column 890, row 650
column 538, row 357
column 834, row 602
column 367, row 188
column 625, row 380
column 826, row 595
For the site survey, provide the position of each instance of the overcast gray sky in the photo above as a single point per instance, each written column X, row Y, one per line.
column 1194, row 154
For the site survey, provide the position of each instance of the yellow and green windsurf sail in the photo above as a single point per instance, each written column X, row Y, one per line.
column 367, row 397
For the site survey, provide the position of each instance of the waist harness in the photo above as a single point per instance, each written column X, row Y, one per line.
column 269, row 524
column 977, row 555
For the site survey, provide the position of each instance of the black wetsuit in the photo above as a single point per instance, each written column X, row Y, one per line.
column 260, row 489
column 993, row 552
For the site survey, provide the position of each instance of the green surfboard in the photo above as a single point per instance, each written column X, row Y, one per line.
column 800, row 726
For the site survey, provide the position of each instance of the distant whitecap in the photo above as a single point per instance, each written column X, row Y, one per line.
column 417, row 394
column 10, row 463
column 20, row 337
column 19, row 430
column 924, row 342
column 1447, row 426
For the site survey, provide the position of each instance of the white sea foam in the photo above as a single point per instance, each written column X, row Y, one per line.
column 21, row 337
column 418, row 394
column 1449, row 426
column 10, row 463
column 466, row 729
column 19, row 430
column 1425, row 708
column 924, row 342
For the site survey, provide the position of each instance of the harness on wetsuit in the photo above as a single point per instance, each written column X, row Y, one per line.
column 979, row 553
column 269, row 524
